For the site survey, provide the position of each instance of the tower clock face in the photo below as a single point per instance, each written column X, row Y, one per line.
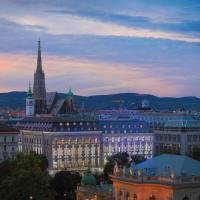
column 29, row 103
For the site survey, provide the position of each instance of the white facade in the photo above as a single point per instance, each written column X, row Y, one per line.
column 8, row 145
column 30, row 105
column 64, row 150
column 134, row 144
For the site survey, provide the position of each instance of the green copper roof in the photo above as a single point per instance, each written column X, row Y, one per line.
column 88, row 178
column 29, row 93
column 70, row 93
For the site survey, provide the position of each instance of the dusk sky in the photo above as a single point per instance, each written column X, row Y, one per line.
column 102, row 46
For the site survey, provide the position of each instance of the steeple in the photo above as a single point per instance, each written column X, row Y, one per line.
column 29, row 93
column 39, row 58
column 30, row 103
column 39, row 89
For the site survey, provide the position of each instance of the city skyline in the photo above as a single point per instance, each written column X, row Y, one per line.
column 101, row 47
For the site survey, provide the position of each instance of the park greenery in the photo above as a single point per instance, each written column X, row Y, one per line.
column 27, row 177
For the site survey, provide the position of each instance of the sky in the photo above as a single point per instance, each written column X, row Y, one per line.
column 102, row 46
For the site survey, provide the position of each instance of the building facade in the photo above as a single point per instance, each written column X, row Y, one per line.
column 8, row 142
column 132, row 136
column 73, row 142
column 180, row 136
column 65, row 150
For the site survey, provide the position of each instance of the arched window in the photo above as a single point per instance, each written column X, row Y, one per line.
column 135, row 197
column 186, row 198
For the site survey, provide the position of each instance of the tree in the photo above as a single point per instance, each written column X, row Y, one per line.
column 122, row 159
column 170, row 151
column 28, row 177
column 195, row 153
column 6, row 169
column 65, row 184
column 137, row 159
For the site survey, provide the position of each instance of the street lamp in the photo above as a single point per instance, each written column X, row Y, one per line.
column 30, row 197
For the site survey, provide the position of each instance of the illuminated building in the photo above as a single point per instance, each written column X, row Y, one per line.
column 132, row 136
column 74, row 142
column 166, row 177
column 67, row 143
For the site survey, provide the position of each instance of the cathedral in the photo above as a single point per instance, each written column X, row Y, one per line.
column 41, row 102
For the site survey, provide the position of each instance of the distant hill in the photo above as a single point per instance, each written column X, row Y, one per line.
column 16, row 100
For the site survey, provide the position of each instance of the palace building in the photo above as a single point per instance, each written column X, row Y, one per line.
column 165, row 177
column 74, row 142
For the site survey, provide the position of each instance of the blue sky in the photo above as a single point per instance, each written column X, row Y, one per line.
column 102, row 47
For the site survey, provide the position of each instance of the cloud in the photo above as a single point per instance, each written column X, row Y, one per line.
column 149, row 47
column 88, row 77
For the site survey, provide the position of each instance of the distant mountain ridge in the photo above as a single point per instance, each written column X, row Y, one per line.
column 16, row 100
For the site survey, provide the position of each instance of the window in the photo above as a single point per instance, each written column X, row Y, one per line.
column 13, row 138
column 4, row 147
column 4, row 138
column 152, row 197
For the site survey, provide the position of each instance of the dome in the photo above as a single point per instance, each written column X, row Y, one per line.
column 70, row 93
column 88, row 178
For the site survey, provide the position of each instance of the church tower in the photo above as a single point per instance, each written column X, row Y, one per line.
column 70, row 107
column 30, row 103
column 39, row 89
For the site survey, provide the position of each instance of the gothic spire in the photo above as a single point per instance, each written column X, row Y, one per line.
column 29, row 89
column 39, row 89
column 39, row 58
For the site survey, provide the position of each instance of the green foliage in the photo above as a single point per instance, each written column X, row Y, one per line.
column 65, row 184
column 122, row 159
column 26, row 176
column 137, row 159
column 170, row 151
column 195, row 153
